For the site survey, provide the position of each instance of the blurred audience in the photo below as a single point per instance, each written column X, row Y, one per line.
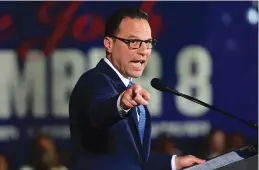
column 43, row 155
column 235, row 140
column 217, row 142
column 167, row 145
column 3, row 162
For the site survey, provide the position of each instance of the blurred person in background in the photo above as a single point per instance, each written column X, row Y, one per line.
column 167, row 145
column 235, row 140
column 43, row 155
column 3, row 162
column 109, row 120
column 216, row 143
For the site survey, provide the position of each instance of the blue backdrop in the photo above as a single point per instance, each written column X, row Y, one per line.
column 205, row 49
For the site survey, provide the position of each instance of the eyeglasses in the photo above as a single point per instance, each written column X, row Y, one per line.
column 136, row 43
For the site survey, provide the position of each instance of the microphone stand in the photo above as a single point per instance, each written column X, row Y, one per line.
column 254, row 126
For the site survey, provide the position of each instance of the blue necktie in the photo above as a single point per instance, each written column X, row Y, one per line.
column 142, row 118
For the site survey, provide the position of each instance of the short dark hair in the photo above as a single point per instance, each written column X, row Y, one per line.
column 114, row 21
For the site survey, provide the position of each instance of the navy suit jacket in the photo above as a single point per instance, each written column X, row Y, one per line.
column 101, row 138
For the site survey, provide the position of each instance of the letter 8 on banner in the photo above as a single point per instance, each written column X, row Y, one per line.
column 194, row 70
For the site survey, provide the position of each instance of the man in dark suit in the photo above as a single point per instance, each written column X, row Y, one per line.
column 109, row 121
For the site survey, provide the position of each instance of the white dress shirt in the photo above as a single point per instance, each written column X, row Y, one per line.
column 120, row 109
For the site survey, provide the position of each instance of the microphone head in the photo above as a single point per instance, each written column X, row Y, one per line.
column 158, row 84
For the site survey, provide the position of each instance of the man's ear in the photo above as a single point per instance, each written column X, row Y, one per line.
column 108, row 44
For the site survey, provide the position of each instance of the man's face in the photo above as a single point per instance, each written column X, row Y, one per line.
column 130, row 62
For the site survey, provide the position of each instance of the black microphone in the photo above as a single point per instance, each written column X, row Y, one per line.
column 159, row 85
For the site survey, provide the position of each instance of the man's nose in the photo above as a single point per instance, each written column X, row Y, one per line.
column 143, row 50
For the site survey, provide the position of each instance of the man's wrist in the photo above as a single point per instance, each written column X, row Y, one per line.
column 123, row 113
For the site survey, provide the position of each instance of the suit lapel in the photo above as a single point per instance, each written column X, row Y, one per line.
column 133, row 123
column 132, row 117
column 103, row 67
column 147, row 136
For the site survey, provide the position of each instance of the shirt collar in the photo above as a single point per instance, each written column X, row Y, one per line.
column 123, row 79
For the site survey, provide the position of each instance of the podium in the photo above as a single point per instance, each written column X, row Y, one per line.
column 246, row 164
column 249, row 161
column 244, row 158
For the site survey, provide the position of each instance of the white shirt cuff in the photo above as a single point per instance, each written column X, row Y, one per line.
column 120, row 109
column 173, row 162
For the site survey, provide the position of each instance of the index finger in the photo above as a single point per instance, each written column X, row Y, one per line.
column 140, row 100
column 136, row 88
column 145, row 95
column 197, row 160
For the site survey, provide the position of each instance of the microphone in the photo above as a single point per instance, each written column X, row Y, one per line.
column 159, row 85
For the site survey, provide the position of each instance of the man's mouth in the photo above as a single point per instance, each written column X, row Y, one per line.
column 138, row 63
